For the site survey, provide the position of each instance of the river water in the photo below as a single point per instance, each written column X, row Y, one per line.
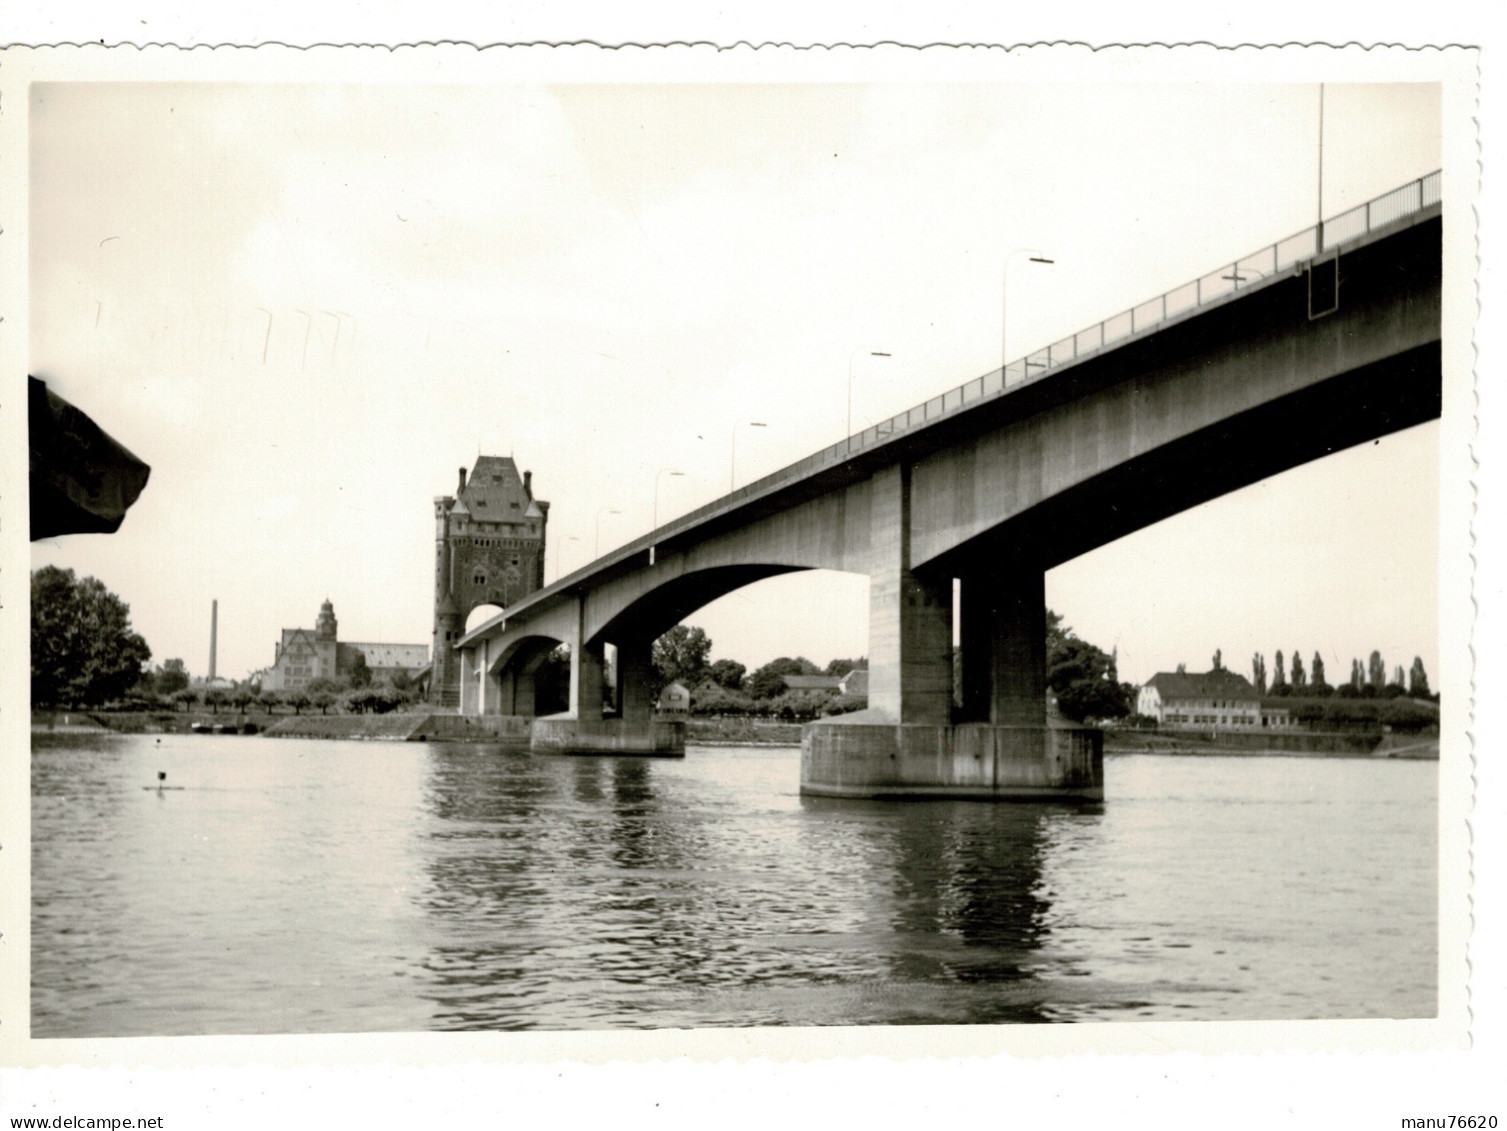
column 302, row 886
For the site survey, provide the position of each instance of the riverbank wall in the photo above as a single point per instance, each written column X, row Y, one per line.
column 741, row 731
column 1295, row 744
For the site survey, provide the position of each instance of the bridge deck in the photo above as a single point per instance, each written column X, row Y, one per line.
column 855, row 456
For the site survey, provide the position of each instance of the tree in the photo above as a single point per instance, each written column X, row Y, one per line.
column 360, row 675
column 769, row 681
column 187, row 696
column 268, row 699
column 172, row 677
column 241, row 697
column 1418, row 680
column 1258, row 673
column 1376, row 672
column 1279, row 685
column 1357, row 675
column 728, row 674
column 214, row 699
column 324, row 699
column 680, row 654
column 798, row 706
column 83, row 651
column 843, row 667
column 1084, row 679
column 298, row 699
column 1316, row 681
column 714, row 699
column 1299, row 676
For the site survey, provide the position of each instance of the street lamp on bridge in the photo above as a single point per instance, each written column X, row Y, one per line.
column 662, row 471
column 560, row 554
column 596, row 546
column 851, row 358
column 1032, row 256
column 732, row 479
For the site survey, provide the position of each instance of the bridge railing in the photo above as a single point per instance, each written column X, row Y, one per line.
column 1220, row 284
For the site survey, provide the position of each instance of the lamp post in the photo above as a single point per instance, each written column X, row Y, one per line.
column 851, row 358
column 662, row 471
column 1032, row 256
column 596, row 546
column 1320, row 249
column 560, row 554
column 732, row 479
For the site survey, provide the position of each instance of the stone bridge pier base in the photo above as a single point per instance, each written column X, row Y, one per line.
column 588, row 729
column 915, row 739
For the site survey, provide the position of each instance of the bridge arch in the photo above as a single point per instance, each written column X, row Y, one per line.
column 655, row 611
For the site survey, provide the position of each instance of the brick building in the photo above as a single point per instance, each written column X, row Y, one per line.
column 488, row 550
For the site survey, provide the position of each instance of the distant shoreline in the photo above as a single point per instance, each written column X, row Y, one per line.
column 739, row 731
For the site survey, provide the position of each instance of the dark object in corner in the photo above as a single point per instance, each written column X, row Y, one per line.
column 82, row 481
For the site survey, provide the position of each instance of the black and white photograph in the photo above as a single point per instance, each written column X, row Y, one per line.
column 900, row 543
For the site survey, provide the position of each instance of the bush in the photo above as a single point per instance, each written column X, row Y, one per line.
column 370, row 700
column 846, row 704
column 710, row 699
column 799, row 706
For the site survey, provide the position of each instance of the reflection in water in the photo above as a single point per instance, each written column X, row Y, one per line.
column 963, row 887
column 343, row 887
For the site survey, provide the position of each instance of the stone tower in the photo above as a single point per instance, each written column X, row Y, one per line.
column 488, row 550
column 325, row 645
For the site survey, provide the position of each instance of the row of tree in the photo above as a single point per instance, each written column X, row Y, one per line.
column 1083, row 678
column 85, row 653
column 323, row 694
column 681, row 656
column 1367, row 681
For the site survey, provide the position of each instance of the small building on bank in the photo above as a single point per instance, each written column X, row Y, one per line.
column 674, row 701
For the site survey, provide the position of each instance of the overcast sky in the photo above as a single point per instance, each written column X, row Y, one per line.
column 306, row 306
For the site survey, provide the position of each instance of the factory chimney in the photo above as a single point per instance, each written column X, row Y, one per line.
column 214, row 631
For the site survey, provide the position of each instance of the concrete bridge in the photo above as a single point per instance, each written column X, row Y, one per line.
column 1327, row 339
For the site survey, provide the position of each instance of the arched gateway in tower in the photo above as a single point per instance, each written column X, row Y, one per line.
column 488, row 550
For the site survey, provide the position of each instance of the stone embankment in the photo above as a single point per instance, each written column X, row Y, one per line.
column 412, row 726
column 741, row 731
column 1295, row 744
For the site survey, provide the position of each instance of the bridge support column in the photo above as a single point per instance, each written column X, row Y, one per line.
column 1004, row 650
column 584, row 730
column 635, row 682
column 467, row 701
column 515, row 692
column 907, row 743
column 587, row 672
column 910, row 618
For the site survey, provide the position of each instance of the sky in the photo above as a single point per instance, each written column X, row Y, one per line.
column 306, row 306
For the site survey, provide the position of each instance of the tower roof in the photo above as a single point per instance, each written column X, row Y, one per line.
column 494, row 492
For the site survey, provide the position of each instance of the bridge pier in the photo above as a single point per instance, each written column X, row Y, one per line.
column 586, row 728
column 851, row 757
column 915, row 739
